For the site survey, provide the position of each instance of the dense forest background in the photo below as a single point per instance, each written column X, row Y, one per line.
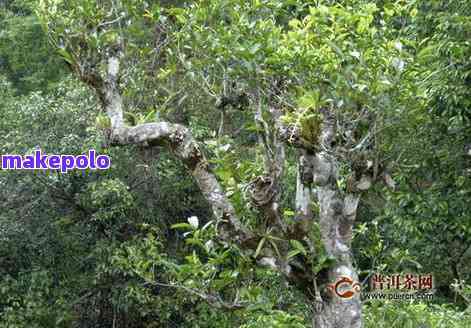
column 138, row 245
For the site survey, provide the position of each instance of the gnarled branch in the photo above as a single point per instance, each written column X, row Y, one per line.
column 179, row 140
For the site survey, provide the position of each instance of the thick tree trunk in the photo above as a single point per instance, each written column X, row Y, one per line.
column 337, row 212
column 336, row 215
column 340, row 305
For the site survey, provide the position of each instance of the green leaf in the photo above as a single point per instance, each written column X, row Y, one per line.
column 298, row 246
column 292, row 253
column 66, row 55
column 259, row 247
column 289, row 213
column 181, row 226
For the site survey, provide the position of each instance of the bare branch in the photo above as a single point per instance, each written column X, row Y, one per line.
column 214, row 300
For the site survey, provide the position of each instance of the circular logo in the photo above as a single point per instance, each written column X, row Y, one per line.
column 345, row 287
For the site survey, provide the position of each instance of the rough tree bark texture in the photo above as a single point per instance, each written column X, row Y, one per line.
column 337, row 213
column 180, row 141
